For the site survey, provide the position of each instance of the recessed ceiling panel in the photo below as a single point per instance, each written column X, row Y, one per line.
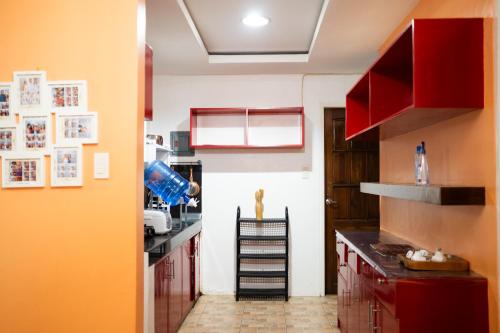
column 290, row 30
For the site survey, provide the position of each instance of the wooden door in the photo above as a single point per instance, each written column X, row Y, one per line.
column 175, row 290
column 346, row 208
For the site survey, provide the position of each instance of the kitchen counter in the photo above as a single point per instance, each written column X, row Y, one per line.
column 160, row 245
column 389, row 266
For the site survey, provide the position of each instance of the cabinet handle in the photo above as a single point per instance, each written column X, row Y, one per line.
column 173, row 269
column 351, row 251
column 380, row 281
column 370, row 317
column 343, row 265
column 374, row 311
column 340, row 242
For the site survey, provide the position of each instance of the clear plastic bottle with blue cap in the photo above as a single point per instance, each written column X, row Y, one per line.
column 421, row 166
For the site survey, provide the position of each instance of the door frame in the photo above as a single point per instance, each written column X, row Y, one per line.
column 322, row 228
column 323, row 275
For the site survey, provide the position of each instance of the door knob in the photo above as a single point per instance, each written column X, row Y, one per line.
column 330, row 202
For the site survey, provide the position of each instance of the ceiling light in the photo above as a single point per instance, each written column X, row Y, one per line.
column 254, row 20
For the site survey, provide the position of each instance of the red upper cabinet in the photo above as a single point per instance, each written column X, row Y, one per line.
column 148, row 101
column 432, row 72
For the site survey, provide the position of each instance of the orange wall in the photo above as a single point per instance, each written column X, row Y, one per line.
column 460, row 151
column 71, row 259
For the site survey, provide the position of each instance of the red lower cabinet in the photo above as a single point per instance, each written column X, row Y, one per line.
column 175, row 290
column 161, row 296
column 187, row 276
column 390, row 299
column 195, row 284
column 176, row 284
column 342, row 303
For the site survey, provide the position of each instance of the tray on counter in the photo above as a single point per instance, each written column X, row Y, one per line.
column 452, row 263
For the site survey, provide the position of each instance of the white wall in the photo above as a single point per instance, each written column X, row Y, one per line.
column 289, row 177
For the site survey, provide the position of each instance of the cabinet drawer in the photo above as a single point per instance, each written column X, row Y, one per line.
column 354, row 261
column 385, row 291
column 342, row 251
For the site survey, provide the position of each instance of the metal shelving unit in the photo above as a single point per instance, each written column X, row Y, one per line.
column 262, row 258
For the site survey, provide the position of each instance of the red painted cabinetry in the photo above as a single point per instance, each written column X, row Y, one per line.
column 432, row 72
column 175, row 279
column 195, row 285
column 175, row 290
column 148, row 91
column 161, row 295
column 378, row 295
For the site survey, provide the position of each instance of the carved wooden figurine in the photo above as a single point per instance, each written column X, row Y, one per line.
column 259, row 206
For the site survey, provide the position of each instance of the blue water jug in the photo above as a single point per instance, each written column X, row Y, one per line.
column 166, row 183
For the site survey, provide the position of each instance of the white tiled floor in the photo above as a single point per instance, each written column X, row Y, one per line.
column 223, row 314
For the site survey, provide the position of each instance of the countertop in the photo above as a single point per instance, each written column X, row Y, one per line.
column 389, row 266
column 160, row 245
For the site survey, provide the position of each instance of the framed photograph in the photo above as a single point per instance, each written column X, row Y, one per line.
column 23, row 170
column 8, row 139
column 7, row 116
column 67, row 96
column 30, row 92
column 35, row 132
column 77, row 128
column 66, row 166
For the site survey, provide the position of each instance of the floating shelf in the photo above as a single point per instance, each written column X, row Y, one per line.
column 434, row 194
column 243, row 128
column 434, row 71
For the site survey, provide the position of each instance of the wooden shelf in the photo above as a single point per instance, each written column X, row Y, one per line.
column 246, row 128
column 434, row 71
column 434, row 194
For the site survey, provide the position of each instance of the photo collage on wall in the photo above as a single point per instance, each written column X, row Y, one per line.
column 26, row 139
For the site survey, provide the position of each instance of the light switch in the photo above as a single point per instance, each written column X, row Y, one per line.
column 101, row 165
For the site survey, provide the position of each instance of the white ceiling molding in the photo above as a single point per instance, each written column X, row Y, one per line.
column 191, row 24
column 256, row 58
column 246, row 58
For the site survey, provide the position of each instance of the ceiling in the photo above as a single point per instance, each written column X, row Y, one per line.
column 287, row 32
column 350, row 33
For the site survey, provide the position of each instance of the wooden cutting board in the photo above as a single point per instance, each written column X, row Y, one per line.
column 452, row 263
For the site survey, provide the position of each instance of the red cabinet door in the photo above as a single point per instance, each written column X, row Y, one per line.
column 148, row 91
column 187, row 262
column 342, row 305
column 353, row 300
column 161, row 296
column 175, row 290
column 384, row 321
column 197, row 273
column 367, row 301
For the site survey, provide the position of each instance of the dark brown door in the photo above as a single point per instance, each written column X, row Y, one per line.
column 347, row 163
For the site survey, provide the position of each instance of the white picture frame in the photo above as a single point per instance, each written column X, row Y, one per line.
column 67, row 96
column 30, row 92
column 35, row 133
column 66, row 166
column 7, row 115
column 9, row 139
column 77, row 128
column 21, row 170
